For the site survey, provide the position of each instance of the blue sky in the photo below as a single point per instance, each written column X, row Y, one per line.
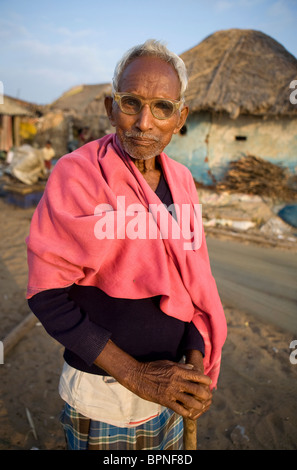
column 46, row 47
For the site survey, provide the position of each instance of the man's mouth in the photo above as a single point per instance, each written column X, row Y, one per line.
column 141, row 139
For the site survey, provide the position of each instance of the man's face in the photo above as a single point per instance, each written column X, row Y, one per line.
column 142, row 135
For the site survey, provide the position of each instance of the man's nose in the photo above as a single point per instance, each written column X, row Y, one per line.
column 145, row 119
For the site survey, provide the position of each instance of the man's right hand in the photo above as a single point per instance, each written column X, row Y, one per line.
column 176, row 386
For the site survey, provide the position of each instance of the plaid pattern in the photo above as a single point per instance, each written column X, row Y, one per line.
column 165, row 432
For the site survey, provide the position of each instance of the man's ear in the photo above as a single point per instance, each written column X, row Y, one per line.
column 108, row 102
column 182, row 119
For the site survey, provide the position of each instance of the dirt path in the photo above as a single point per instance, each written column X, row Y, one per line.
column 253, row 408
column 258, row 280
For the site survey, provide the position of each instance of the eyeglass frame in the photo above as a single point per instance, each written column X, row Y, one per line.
column 118, row 95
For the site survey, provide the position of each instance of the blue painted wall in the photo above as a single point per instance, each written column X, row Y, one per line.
column 210, row 143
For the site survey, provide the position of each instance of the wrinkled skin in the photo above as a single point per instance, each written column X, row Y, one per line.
column 175, row 386
column 181, row 387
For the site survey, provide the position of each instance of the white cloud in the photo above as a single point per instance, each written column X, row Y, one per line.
column 82, row 59
column 75, row 34
column 221, row 6
column 279, row 17
column 279, row 9
column 9, row 30
column 281, row 14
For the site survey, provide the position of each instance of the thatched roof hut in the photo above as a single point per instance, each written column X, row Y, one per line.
column 240, row 71
column 12, row 111
column 239, row 98
column 83, row 99
column 80, row 107
column 14, row 107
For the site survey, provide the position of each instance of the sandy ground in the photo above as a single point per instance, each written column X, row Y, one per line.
column 254, row 407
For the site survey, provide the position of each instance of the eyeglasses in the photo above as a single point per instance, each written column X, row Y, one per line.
column 132, row 104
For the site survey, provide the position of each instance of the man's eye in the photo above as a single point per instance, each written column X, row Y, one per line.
column 163, row 105
column 130, row 102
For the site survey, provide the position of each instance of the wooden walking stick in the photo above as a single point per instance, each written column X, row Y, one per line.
column 190, row 434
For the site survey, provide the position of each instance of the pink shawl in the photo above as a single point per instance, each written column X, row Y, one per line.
column 64, row 245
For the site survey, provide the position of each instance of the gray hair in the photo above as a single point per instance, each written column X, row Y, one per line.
column 153, row 48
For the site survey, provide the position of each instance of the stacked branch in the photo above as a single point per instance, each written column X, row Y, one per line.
column 252, row 175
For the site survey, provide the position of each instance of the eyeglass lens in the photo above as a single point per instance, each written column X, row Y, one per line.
column 161, row 109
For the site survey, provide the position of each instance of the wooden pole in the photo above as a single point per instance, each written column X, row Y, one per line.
column 18, row 332
column 16, row 131
column 190, row 434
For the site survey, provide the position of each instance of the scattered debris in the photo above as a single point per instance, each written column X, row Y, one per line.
column 275, row 227
column 30, row 420
column 238, row 435
column 251, row 217
column 240, row 225
column 12, row 339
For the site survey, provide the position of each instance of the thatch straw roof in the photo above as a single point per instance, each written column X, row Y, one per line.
column 14, row 107
column 240, row 72
column 81, row 99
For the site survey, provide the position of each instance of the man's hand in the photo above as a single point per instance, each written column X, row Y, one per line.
column 176, row 386
column 182, row 387
column 195, row 358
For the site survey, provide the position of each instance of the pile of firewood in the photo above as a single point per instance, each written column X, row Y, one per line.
column 252, row 175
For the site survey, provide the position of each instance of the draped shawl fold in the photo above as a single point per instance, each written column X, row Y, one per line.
column 97, row 184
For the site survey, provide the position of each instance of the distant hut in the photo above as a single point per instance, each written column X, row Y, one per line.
column 239, row 99
column 11, row 112
column 77, row 115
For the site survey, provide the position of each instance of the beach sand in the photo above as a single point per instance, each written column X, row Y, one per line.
column 254, row 407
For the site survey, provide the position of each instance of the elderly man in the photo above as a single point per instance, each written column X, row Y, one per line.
column 128, row 305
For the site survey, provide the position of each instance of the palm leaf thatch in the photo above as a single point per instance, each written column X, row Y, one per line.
column 14, row 107
column 83, row 99
column 240, row 72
